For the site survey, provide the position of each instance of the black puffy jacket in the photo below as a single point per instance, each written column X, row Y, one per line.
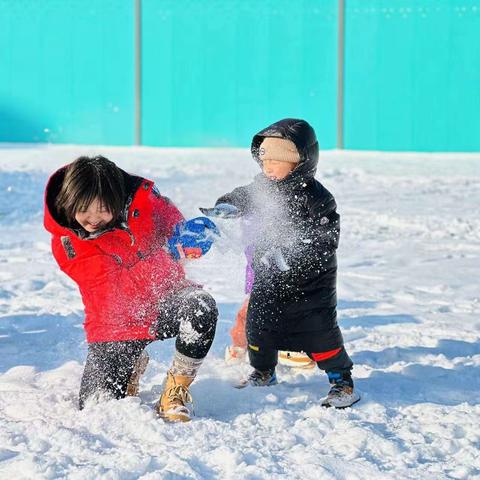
column 295, row 235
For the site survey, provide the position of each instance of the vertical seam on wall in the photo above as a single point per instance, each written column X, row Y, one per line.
column 340, row 71
column 138, row 71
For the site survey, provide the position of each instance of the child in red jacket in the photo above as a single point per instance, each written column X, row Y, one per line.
column 121, row 242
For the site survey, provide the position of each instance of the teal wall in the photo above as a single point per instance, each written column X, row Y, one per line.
column 412, row 70
column 66, row 71
column 216, row 71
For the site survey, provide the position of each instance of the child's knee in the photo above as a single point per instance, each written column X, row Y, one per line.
column 200, row 310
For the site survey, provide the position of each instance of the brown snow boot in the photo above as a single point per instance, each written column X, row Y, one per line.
column 172, row 405
column 138, row 370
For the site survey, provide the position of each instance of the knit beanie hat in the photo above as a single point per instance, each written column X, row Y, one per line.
column 280, row 149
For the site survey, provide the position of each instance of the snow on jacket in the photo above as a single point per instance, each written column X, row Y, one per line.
column 249, row 273
column 293, row 299
column 123, row 272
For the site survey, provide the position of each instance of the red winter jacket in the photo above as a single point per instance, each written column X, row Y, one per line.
column 123, row 272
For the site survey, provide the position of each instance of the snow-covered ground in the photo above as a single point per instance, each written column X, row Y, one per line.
column 408, row 306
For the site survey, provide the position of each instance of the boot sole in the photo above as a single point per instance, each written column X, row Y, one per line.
column 246, row 383
column 327, row 405
column 174, row 417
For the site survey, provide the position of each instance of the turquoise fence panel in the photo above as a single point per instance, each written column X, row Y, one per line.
column 412, row 75
column 213, row 73
column 67, row 71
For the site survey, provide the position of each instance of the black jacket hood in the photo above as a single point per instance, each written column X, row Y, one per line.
column 303, row 136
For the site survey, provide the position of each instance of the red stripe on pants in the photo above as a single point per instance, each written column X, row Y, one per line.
column 318, row 357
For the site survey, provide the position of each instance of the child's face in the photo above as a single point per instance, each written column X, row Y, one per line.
column 94, row 217
column 277, row 170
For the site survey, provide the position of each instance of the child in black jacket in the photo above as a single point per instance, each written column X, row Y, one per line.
column 296, row 232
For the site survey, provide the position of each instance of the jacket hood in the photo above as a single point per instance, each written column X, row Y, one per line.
column 51, row 220
column 303, row 136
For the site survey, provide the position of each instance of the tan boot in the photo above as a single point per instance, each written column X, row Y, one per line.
column 138, row 371
column 172, row 404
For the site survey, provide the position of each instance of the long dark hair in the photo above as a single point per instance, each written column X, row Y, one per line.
column 88, row 178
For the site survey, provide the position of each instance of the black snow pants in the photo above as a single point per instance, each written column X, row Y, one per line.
column 266, row 359
column 190, row 315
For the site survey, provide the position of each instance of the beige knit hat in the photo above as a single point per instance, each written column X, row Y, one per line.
column 280, row 149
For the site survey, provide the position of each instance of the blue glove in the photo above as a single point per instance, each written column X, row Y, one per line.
column 193, row 238
column 222, row 210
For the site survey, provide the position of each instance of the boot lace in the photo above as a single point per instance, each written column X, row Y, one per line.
column 339, row 388
column 258, row 377
column 180, row 393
